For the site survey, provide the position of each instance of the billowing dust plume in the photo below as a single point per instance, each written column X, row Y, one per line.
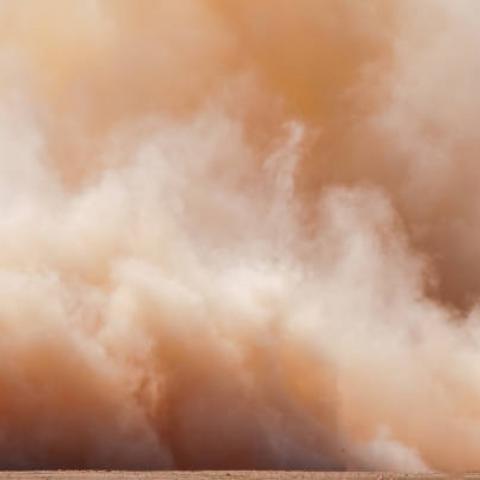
column 240, row 234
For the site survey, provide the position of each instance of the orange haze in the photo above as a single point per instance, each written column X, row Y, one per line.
column 240, row 234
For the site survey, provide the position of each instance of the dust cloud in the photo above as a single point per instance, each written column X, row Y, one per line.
column 239, row 234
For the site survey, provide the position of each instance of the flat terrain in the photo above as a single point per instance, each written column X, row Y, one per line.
column 233, row 475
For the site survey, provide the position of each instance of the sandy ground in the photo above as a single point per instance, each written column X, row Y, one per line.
column 237, row 475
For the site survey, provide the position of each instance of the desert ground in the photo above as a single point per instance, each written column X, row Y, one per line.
column 224, row 475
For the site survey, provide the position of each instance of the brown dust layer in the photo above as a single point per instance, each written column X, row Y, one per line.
column 240, row 234
column 221, row 475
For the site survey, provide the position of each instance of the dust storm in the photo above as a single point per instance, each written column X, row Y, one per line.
column 239, row 234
